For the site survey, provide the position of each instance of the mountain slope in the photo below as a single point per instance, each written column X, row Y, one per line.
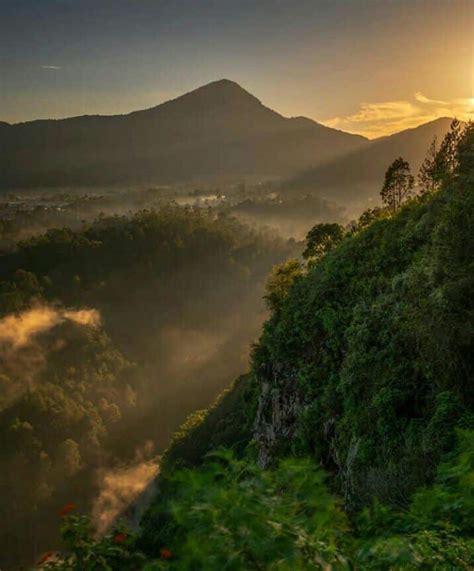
column 366, row 364
column 359, row 175
column 218, row 129
column 365, row 368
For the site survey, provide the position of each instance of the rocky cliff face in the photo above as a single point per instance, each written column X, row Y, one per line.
column 279, row 406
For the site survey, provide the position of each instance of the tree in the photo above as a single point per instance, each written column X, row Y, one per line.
column 427, row 179
column 280, row 281
column 447, row 157
column 398, row 185
column 320, row 239
column 367, row 217
column 440, row 164
column 465, row 155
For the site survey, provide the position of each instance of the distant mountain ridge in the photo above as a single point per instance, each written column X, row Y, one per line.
column 216, row 130
column 359, row 174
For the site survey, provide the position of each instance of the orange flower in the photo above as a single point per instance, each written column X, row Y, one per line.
column 45, row 557
column 120, row 537
column 67, row 509
column 165, row 553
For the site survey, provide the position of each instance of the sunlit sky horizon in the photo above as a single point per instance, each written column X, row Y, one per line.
column 371, row 67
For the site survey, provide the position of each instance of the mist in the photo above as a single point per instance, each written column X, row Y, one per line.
column 124, row 493
column 134, row 319
column 110, row 336
column 22, row 355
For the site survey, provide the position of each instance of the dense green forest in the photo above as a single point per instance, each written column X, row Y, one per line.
column 350, row 442
column 107, row 343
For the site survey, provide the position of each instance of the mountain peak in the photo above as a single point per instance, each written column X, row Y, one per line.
column 221, row 91
column 218, row 129
column 223, row 83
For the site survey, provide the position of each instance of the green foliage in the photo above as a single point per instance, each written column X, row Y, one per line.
column 84, row 552
column 446, row 160
column 375, row 342
column 227, row 423
column 435, row 532
column 280, row 281
column 370, row 351
column 230, row 514
column 369, row 216
column 54, row 431
column 320, row 239
column 465, row 156
column 450, row 501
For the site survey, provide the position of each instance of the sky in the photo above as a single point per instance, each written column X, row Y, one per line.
column 372, row 67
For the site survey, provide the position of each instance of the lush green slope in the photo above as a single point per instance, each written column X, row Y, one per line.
column 374, row 343
column 366, row 368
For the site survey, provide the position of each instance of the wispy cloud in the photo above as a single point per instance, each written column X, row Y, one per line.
column 423, row 99
column 19, row 330
column 387, row 117
column 51, row 67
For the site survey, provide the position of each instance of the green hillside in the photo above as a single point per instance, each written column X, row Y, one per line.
column 350, row 443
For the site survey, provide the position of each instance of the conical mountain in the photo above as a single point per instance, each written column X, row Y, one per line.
column 219, row 129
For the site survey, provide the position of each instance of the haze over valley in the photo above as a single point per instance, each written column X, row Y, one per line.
column 236, row 285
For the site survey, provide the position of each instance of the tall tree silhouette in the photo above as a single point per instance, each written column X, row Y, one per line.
column 398, row 184
column 440, row 163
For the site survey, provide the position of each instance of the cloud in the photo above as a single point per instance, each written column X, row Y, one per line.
column 88, row 317
column 423, row 99
column 387, row 117
column 51, row 67
column 19, row 330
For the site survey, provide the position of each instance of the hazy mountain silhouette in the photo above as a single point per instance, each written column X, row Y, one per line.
column 359, row 174
column 218, row 129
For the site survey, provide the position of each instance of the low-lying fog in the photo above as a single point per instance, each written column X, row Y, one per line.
column 112, row 334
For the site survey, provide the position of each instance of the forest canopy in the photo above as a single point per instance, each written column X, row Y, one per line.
column 107, row 342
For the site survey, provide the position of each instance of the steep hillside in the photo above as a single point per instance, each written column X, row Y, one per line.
column 218, row 129
column 358, row 176
column 365, row 368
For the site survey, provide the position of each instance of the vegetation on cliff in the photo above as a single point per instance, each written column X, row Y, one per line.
column 364, row 369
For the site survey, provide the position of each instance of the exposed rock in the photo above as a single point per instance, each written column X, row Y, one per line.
column 279, row 406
